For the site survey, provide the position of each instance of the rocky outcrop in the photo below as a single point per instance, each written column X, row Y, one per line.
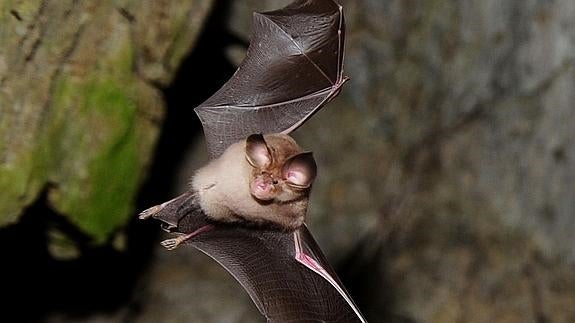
column 80, row 103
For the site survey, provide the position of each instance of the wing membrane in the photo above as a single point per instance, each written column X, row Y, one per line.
column 283, row 289
column 295, row 52
column 285, row 273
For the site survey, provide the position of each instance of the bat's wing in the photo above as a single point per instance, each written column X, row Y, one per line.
column 286, row 274
column 286, row 284
column 293, row 66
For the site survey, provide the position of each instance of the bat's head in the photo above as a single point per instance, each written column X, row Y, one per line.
column 281, row 171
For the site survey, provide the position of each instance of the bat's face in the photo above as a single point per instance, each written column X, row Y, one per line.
column 281, row 171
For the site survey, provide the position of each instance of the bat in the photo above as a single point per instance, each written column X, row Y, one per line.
column 263, row 181
column 246, row 208
column 279, row 173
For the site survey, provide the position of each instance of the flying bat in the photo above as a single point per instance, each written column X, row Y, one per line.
column 246, row 208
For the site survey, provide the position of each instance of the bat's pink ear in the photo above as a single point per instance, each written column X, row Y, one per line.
column 300, row 170
column 257, row 151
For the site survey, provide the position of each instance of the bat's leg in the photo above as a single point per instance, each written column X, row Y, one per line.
column 173, row 243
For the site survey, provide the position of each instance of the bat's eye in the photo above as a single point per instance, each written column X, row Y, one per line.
column 275, row 181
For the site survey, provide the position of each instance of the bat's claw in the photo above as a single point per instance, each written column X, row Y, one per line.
column 172, row 244
column 146, row 214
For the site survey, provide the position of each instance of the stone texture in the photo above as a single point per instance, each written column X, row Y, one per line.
column 79, row 102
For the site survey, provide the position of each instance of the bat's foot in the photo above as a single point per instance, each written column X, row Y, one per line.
column 172, row 244
column 146, row 214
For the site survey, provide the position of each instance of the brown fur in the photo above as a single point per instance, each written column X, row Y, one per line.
column 223, row 187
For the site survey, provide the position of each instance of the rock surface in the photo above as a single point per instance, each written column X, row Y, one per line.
column 451, row 152
column 79, row 102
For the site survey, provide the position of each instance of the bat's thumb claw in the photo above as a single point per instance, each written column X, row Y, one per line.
column 146, row 214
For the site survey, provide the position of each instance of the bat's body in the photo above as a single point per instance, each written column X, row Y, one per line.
column 231, row 189
column 246, row 208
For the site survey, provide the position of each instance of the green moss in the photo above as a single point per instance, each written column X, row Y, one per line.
column 14, row 168
column 89, row 144
column 119, row 64
column 99, row 198
column 23, row 175
column 89, row 152
column 114, row 170
column 15, row 190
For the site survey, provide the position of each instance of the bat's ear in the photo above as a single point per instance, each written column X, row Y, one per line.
column 257, row 151
column 300, row 170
